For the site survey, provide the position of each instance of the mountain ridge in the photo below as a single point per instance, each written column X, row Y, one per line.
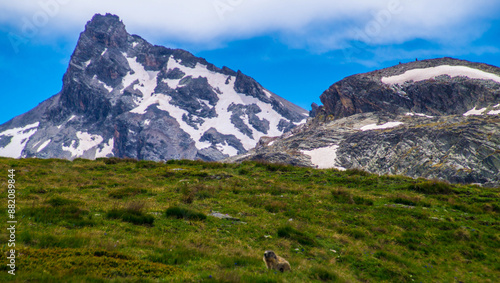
column 125, row 97
column 420, row 119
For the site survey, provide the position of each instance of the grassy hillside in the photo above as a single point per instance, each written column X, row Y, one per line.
column 138, row 221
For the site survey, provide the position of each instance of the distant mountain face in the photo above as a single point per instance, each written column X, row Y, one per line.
column 434, row 119
column 433, row 87
column 124, row 97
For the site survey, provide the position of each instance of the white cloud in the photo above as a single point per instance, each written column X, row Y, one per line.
column 320, row 25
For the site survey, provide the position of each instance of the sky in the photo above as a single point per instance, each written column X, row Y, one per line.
column 294, row 48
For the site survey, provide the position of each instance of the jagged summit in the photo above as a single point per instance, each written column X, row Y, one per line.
column 107, row 30
column 125, row 97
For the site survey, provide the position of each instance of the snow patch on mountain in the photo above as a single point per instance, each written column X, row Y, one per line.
column 19, row 139
column 172, row 83
column 110, row 89
column 227, row 149
column 417, row 75
column 324, row 157
column 495, row 112
column 107, row 150
column 142, row 80
column 301, row 122
column 475, row 112
column 381, row 127
column 43, row 145
column 85, row 142
column 418, row 114
column 268, row 94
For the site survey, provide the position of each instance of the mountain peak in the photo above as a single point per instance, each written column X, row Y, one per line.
column 109, row 19
column 107, row 29
column 125, row 97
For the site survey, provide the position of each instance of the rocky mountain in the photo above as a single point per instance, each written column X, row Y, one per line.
column 125, row 97
column 434, row 119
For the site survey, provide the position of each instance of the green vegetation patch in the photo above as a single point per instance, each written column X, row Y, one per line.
column 67, row 216
column 60, row 201
column 184, row 213
column 432, row 188
column 133, row 214
column 60, row 263
column 291, row 233
column 126, row 192
column 342, row 195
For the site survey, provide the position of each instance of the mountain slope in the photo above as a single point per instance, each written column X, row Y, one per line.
column 432, row 119
column 124, row 97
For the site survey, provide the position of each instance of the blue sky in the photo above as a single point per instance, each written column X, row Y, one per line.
column 296, row 49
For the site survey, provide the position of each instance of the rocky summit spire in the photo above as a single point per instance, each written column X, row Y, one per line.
column 101, row 33
column 96, row 63
column 107, row 30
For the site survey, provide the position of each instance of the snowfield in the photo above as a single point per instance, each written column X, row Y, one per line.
column 324, row 157
column 43, row 145
column 417, row 75
column 475, row 112
column 86, row 142
column 147, row 84
column 107, row 150
column 19, row 139
column 495, row 112
column 418, row 114
column 482, row 111
column 381, row 127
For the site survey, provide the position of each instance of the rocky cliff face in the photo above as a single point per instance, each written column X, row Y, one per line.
column 433, row 119
column 124, row 97
column 421, row 87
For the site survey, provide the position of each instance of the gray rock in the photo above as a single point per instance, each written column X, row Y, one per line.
column 223, row 216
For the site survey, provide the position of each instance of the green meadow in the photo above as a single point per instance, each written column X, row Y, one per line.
column 122, row 220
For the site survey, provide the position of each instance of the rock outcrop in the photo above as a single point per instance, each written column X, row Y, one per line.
column 437, row 119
